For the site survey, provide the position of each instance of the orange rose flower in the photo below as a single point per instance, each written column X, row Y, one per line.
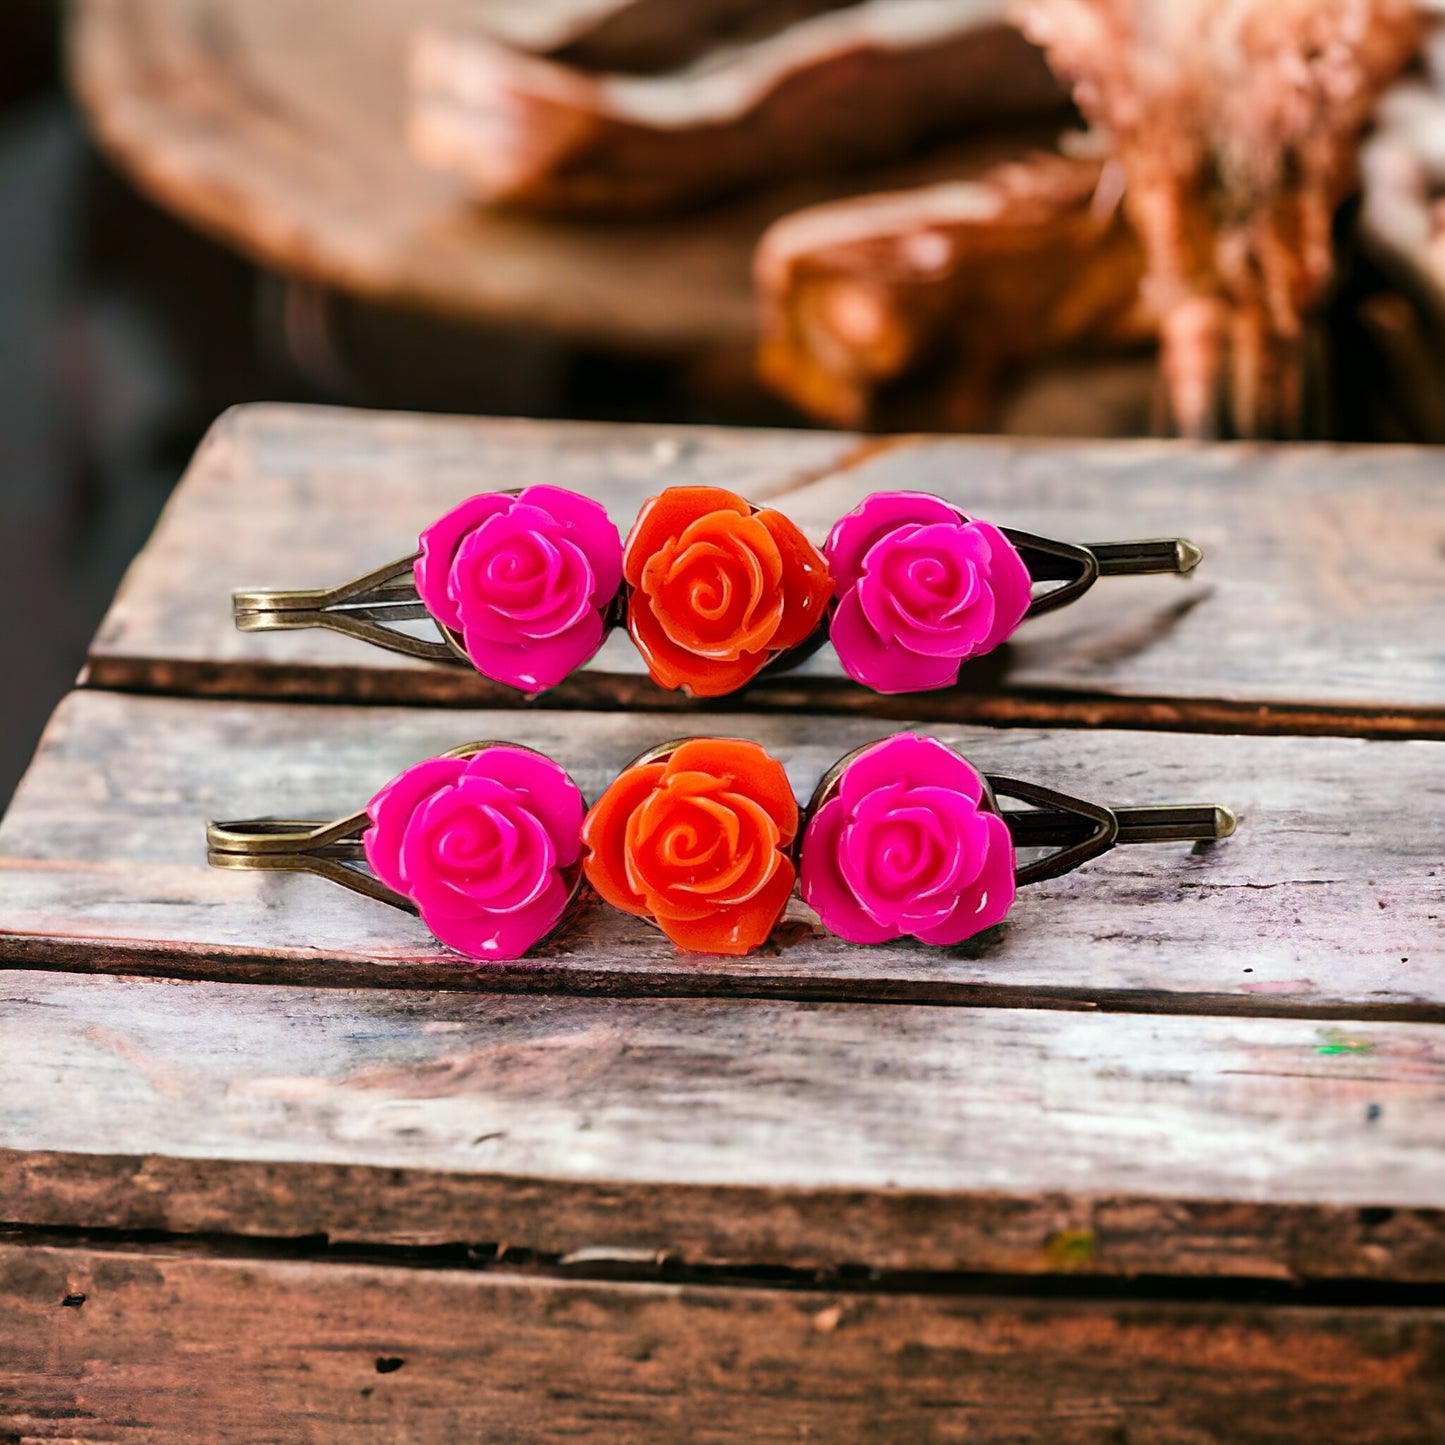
column 717, row 590
column 697, row 841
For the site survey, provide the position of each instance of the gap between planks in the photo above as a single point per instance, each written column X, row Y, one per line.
column 44, row 954
column 598, row 1264
column 606, row 692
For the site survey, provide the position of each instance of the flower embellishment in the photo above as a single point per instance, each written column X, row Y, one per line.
column 697, row 839
column 920, row 589
column 525, row 581
column 907, row 841
column 485, row 846
column 718, row 589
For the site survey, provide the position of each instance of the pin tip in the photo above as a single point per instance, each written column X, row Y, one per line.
column 1225, row 821
column 1188, row 554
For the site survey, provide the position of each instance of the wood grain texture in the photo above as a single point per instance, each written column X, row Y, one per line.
column 280, row 129
column 180, row 1349
column 1319, row 607
column 811, row 1136
column 1327, row 902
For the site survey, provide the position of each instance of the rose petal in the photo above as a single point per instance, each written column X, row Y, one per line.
column 590, row 528
column 604, row 835
column 556, row 596
column 1010, row 583
column 497, row 937
column 885, row 667
column 718, row 596
column 988, row 898
column 890, row 576
column 507, row 878
column 391, row 810
column 825, row 890
column 665, row 887
column 936, row 621
column 852, row 536
column 729, row 875
column 913, row 760
column 536, row 665
column 663, row 518
column 547, row 789
column 946, row 839
column 439, row 545
column 806, row 582
column 742, row 927
column 672, row 666
column 746, row 768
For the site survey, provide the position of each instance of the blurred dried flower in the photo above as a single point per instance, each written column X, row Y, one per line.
column 1237, row 124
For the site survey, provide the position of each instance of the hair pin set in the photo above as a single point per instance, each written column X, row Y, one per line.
column 524, row 587
column 493, row 844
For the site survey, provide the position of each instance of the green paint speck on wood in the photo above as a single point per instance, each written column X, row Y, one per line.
column 1070, row 1249
column 1337, row 1041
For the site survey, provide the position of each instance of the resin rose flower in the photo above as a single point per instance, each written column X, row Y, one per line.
column 718, row 590
column 485, row 846
column 920, row 589
column 697, row 841
column 526, row 581
column 908, row 842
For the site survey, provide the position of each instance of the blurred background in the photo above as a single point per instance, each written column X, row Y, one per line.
column 1204, row 218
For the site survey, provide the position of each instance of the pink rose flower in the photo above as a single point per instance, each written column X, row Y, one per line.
column 526, row 581
column 920, row 588
column 908, row 844
column 485, row 846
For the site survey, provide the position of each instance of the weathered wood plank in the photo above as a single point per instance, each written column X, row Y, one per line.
column 1320, row 605
column 895, row 1139
column 261, row 1350
column 1327, row 902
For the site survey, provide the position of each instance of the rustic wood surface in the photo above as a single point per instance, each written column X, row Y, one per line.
column 181, row 1348
column 1326, row 903
column 813, row 1136
column 1320, row 605
column 862, row 82
column 280, row 129
column 1221, row 1068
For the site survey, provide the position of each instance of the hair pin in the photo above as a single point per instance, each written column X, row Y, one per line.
column 703, row 837
column 482, row 842
column 524, row 586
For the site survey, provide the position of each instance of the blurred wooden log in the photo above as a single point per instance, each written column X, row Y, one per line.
column 964, row 281
column 280, row 129
column 636, row 35
column 854, row 85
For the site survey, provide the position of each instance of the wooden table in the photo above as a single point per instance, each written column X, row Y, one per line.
column 1162, row 1159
